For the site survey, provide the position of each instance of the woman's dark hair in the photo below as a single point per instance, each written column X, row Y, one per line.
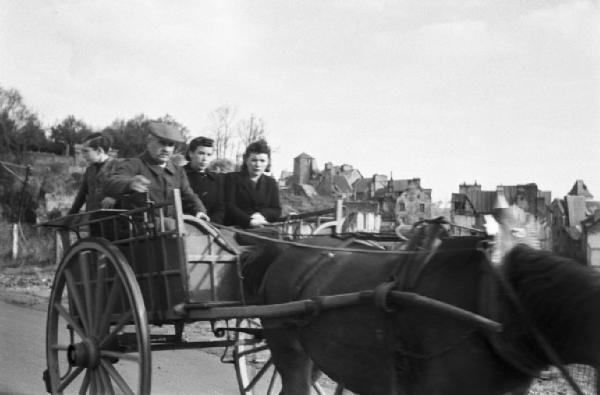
column 257, row 147
column 198, row 142
column 98, row 140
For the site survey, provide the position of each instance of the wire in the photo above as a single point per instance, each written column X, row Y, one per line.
column 4, row 164
column 13, row 164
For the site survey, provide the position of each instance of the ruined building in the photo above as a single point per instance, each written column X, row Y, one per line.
column 575, row 225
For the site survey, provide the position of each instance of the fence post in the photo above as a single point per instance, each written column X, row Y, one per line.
column 15, row 241
column 58, row 247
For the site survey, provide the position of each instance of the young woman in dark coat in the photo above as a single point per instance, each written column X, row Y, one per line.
column 207, row 185
column 251, row 197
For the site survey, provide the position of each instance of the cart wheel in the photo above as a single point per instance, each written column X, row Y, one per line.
column 95, row 297
column 254, row 366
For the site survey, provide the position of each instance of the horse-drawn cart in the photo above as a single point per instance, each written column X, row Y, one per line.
column 131, row 274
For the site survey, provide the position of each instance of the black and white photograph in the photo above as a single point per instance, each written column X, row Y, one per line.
column 320, row 197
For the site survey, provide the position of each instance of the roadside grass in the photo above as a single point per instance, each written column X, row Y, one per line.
column 36, row 250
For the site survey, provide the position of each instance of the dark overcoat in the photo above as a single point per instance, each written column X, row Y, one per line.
column 91, row 190
column 210, row 188
column 162, row 182
column 244, row 198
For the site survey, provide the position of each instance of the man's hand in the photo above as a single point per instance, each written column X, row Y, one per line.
column 140, row 184
column 107, row 202
column 257, row 220
column 202, row 216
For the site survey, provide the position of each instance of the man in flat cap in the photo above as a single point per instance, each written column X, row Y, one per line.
column 154, row 173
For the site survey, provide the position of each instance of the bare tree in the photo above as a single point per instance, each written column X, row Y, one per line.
column 11, row 103
column 232, row 136
column 222, row 120
column 20, row 128
column 250, row 130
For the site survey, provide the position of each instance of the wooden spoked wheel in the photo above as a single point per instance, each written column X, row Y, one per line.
column 254, row 368
column 97, row 336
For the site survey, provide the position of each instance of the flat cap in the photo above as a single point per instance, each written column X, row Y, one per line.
column 201, row 142
column 165, row 131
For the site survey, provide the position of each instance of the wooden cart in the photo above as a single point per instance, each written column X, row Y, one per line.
column 131, row 274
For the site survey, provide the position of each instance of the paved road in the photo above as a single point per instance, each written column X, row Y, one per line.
column 22, row 360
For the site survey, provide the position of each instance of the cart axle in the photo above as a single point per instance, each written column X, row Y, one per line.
column 85, row 354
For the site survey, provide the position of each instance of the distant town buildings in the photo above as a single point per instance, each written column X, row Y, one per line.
column 471, row 203
column 569, row 226
column 401, row 201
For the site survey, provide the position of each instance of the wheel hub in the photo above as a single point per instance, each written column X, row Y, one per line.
column 85, row 354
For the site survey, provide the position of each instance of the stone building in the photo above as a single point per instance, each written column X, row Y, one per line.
column 404, row 201
column 575, row 224
column 590, row 234
column 338, row 180
column 365, row 188
column 307, row 179
column 414, row 204
column 305, row 169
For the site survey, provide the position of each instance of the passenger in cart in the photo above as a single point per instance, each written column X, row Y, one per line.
column 251, row 196
column 95, row 149
column 153, row 176
column 208, row 185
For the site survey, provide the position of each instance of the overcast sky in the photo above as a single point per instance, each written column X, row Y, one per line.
column 501, row 92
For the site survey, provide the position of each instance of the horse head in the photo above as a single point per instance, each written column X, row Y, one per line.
column 562, row 297
column 557, row 300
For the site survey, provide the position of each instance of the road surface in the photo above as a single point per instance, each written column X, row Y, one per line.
column 22, row 361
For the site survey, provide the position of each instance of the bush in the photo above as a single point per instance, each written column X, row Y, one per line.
column 16, row 200
column 59, row 168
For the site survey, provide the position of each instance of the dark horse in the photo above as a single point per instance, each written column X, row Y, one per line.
column 408, row 349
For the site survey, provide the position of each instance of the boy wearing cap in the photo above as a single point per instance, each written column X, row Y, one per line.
column 95, row 149
column 154, row 173
column 206, row 184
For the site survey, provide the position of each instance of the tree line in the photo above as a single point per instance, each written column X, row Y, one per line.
column 21, row 130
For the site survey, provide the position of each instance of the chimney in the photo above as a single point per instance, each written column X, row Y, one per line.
column 500, row 208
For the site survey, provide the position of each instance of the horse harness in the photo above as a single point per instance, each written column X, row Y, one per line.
column 405, row 279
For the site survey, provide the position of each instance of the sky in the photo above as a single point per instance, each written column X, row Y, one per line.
column 497, row 92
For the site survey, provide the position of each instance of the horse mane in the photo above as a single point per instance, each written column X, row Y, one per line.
column 553, row 289
column 464, row 243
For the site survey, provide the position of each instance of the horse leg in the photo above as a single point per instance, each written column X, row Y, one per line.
column 292, row 363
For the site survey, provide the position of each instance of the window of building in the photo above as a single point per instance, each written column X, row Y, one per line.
column 402, row 206
column 422, row 207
